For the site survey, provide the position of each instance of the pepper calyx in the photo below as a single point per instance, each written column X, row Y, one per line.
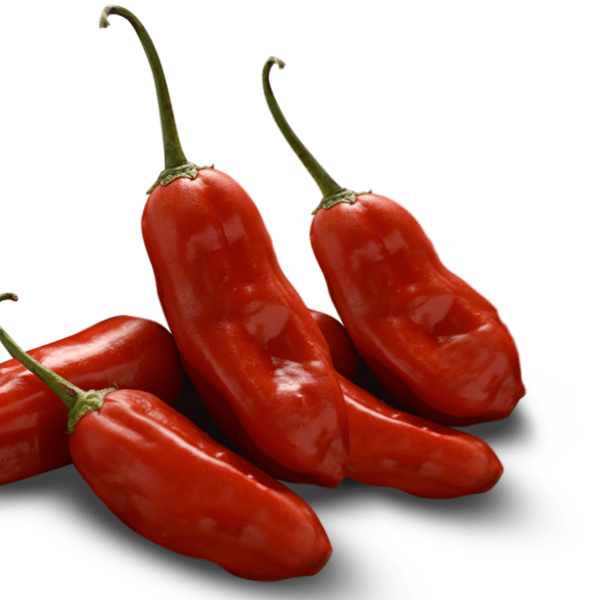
column 86, row 402
column 343, row 195
column 188, row 169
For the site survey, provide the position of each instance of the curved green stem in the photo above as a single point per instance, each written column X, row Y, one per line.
column 78, row 401
column 331, row 191
column 9, row 296
column 176, row 164
column 174, row 155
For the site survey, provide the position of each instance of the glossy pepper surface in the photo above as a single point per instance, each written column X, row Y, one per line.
column 437, row 345
column 390, row 447
column 393, row 448
column 130, row 351
column 167, row 480
column 246, row 339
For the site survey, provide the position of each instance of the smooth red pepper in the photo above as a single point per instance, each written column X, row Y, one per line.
column 167, row 480
column 130, row 351
column 246, row 338
column 393, row 448
column 437, row 345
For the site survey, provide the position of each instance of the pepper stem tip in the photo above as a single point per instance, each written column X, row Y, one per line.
column 9, row 296
column 326, row 184
column 273, row 60
column 106, row 11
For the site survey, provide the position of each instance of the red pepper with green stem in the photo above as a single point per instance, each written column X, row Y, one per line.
column 173, row 484
column 437, row 345
column 247, row 340
column 134, row 352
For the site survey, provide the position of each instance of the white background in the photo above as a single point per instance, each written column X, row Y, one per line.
column 481, row 118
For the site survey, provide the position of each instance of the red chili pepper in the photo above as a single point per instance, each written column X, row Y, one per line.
column 133, row 352
column 437, row 345
column 343, row 354
column 390, row 447
column 346, row 360
column 190, row 406
column 247, row 340
column 167, row 480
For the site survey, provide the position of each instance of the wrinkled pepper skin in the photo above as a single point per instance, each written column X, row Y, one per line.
column 130, row 351
column 436, row 345
column 167, row 480
column 247, row 340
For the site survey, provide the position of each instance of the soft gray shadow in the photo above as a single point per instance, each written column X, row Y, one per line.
column 67, row 486
column 50, row 483
column 507, row 505
column 516, row 428
column 504, row 507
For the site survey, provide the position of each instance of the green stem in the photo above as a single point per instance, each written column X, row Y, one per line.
column 329, row 188
column 176, row 164
column 174, row 155
column 78, row 401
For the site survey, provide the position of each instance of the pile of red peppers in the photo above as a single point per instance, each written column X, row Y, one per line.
column 187, row 434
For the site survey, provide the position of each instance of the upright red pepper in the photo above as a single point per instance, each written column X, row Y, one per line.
column 437, row 345
column 167, row 480
column 246, row 338
column 133, row 352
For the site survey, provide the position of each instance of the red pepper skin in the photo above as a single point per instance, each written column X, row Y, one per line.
column 247, row 340
column 343, row 354
column 436, row 344
column 393, row 448
column 130, row 351
column 167, row 480
column 345, row 359
column 390, row 447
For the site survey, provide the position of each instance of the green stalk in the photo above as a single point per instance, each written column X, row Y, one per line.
column 176, row 164
column 332, row 192
column 78, row 401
